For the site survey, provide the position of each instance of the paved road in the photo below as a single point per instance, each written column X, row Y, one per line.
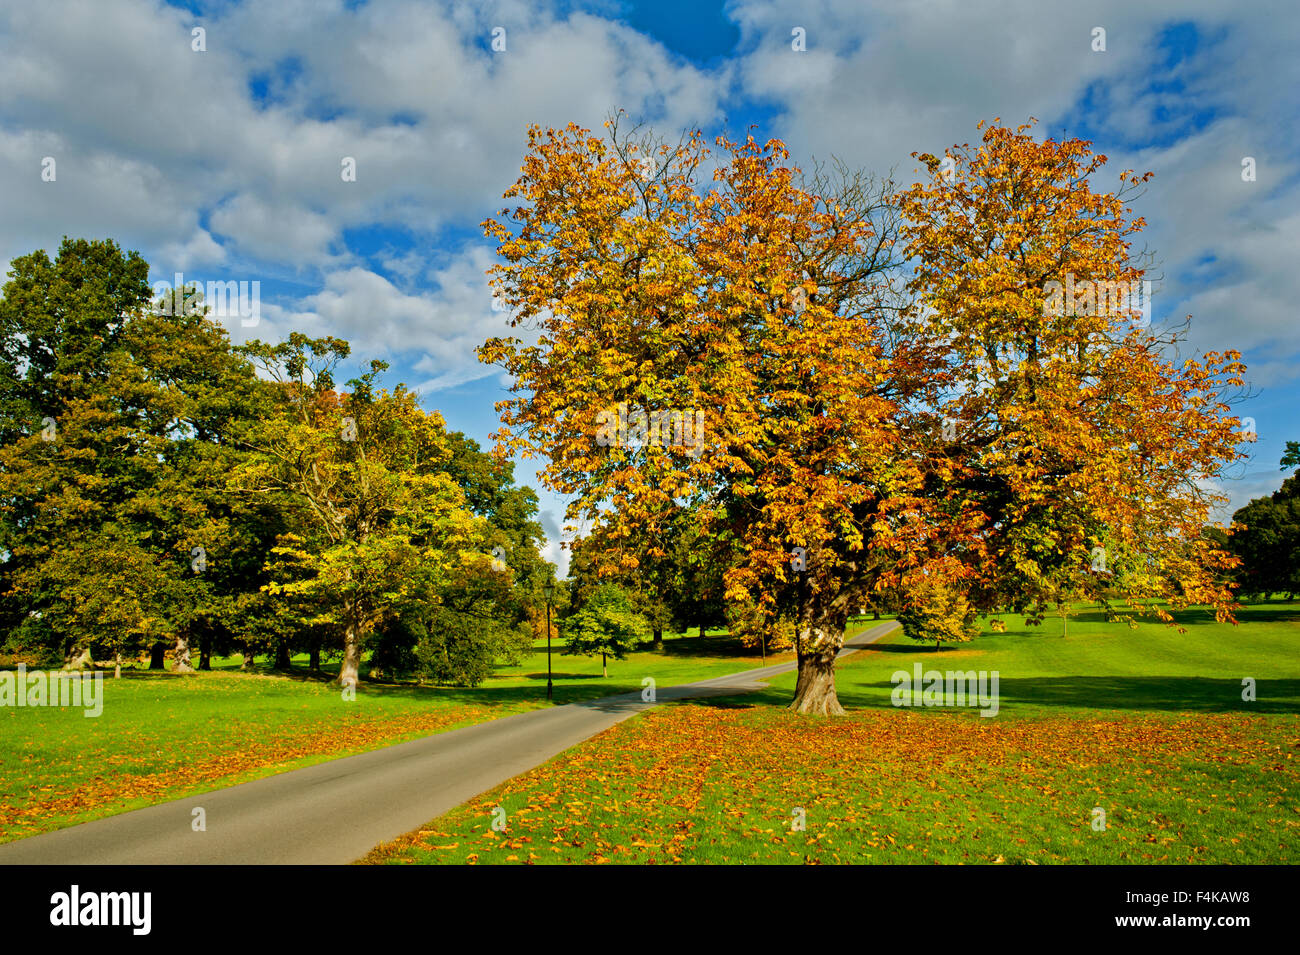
column 336, row 812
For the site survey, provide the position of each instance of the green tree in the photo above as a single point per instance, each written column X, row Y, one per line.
column 646, row 568
column 607, row 624
column 478, row 618
column 1291, row 456
column 1265, row 535
column 59, row 323
column 695, row 576
column 511, row 594
column 116, row 529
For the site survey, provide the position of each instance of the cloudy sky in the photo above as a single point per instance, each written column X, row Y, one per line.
column 225, row 163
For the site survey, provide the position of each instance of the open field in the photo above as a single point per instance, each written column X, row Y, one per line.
column 1148, row 725
column 162, row 736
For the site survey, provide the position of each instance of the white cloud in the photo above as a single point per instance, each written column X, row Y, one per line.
column 1242, row 490
column 277, row 232
column 882, row 80
column 435, row 123
column 434, row 332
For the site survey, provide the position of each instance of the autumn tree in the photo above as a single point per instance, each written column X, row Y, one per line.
column 859, row 432
column 747, row 306
column 937, row 611
column 755, row 627
column 1070, row 449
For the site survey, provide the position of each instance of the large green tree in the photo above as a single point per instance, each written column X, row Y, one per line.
column 117, row 531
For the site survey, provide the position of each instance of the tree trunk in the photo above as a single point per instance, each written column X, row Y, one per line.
column 249, row 658
column 282, row 655
column 815, row 690
column 205, row 653
column 701, row 631
column 351, row 655
column 875, row 614
column 156, row 655
column 658, row 643
column 315, row 656
column 117, row 666
column 181, row 663
column 603, row 665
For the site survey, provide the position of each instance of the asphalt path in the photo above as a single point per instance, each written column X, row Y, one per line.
column 336, row 812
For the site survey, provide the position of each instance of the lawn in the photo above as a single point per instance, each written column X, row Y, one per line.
column 162, row 735
column 1146, row 725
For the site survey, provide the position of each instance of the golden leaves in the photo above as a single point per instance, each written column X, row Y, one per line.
column 693, row 783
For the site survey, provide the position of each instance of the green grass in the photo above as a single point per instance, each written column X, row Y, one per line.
column 1146, row 724
column 1105, row 666
column 163, row 735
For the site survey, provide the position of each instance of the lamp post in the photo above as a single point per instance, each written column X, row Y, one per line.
column 549, row 590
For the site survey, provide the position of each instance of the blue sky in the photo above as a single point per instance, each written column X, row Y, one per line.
column 224, row 164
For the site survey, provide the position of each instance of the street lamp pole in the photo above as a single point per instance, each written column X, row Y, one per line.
column 549, row 590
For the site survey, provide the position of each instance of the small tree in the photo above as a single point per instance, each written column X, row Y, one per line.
column 937, row 610
column 1291, row 456
column 606, row 624
column 755, row 626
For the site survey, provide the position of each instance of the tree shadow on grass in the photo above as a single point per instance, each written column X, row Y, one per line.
column 1281, row 614
column 591, row 686
column 1279, row 611
column 910, row 647
column 1164, row 694
column 725, row 645
column 715, row 645
column 557, row 675
column 302, row 673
